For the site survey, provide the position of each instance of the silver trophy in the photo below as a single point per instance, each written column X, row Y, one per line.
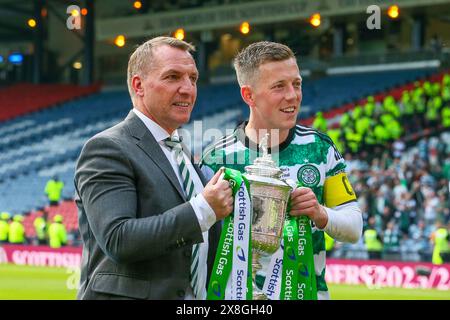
column 269, row 195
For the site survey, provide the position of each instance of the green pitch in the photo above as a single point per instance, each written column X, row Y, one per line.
column 43, row 283
column 35, row 283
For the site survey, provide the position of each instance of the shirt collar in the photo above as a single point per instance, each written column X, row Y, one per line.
column 158, row 133
column 240, row 133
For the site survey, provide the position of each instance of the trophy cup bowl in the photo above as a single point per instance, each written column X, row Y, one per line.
column 269, row 198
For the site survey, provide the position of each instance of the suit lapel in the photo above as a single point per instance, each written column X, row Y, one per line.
column 148, row 144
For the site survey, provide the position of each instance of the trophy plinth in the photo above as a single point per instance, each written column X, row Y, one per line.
column 269, row 195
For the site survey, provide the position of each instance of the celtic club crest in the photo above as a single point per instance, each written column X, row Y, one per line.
column 308, row 175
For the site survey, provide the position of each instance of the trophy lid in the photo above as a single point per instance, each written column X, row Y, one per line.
column 264, row 166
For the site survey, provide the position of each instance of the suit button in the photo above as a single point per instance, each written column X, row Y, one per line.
column 181, row 293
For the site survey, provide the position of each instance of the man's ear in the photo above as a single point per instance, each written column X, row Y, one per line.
column 136, row 84
column 247, row 95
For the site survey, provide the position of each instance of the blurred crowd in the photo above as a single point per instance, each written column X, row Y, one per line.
column 366, row 130
column 45, row 229
column 405, row 197
column 52, row 233
column 398, row 156
column 398, row 161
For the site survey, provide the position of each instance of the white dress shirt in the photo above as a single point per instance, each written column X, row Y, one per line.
column 205, row 215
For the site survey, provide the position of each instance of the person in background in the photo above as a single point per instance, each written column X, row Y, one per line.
column 4, row 227
column 53, row 190
column 440, row 239
column 17, row 230
column 320, row 123
column 329, row 244
column 57, row 234
column 372, row 240
column 40, row 228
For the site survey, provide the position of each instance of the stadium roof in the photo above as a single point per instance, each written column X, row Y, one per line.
column 15, row 14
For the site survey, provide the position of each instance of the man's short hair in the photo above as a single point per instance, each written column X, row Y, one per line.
column 142, row 57
column 247, row 62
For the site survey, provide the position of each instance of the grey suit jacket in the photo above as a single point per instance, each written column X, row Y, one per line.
column 136, row 225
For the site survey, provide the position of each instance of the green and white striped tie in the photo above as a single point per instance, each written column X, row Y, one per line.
column 174, row 143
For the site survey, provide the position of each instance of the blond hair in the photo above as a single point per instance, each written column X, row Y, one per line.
column 141, row 59
column 247, row 62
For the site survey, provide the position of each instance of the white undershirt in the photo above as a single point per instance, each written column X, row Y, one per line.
column 205, row 215
column 344, row 222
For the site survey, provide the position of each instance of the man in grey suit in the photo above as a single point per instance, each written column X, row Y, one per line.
column 137, row 223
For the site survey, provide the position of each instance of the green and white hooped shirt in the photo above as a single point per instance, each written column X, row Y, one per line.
column 307, row 156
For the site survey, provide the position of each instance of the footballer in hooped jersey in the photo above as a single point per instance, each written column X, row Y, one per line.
column 271, row 86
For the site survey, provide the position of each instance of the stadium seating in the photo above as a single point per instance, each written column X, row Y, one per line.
column 23, row 98
column 337, row 90
column 36, row 146
column 67, row 209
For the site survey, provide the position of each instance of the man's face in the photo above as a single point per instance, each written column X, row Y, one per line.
column 277, row 95
column 169, row 88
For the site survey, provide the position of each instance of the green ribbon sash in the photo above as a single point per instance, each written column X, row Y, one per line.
column 290, row 274
column 227, row 280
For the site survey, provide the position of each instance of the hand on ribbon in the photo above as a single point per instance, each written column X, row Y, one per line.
column 219, row 196
column 304, row 203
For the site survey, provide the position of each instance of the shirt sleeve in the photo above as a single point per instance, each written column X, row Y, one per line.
column 344, row 215
column 344, row 222
column 205, row 214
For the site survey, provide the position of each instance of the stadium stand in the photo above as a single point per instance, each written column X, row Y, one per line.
column 375, row 80
column 336, row 90
column 23, row 98
column 396, row 92
column 37, row 141
column 67, row 209
column 33, row 147
column 407, row 191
